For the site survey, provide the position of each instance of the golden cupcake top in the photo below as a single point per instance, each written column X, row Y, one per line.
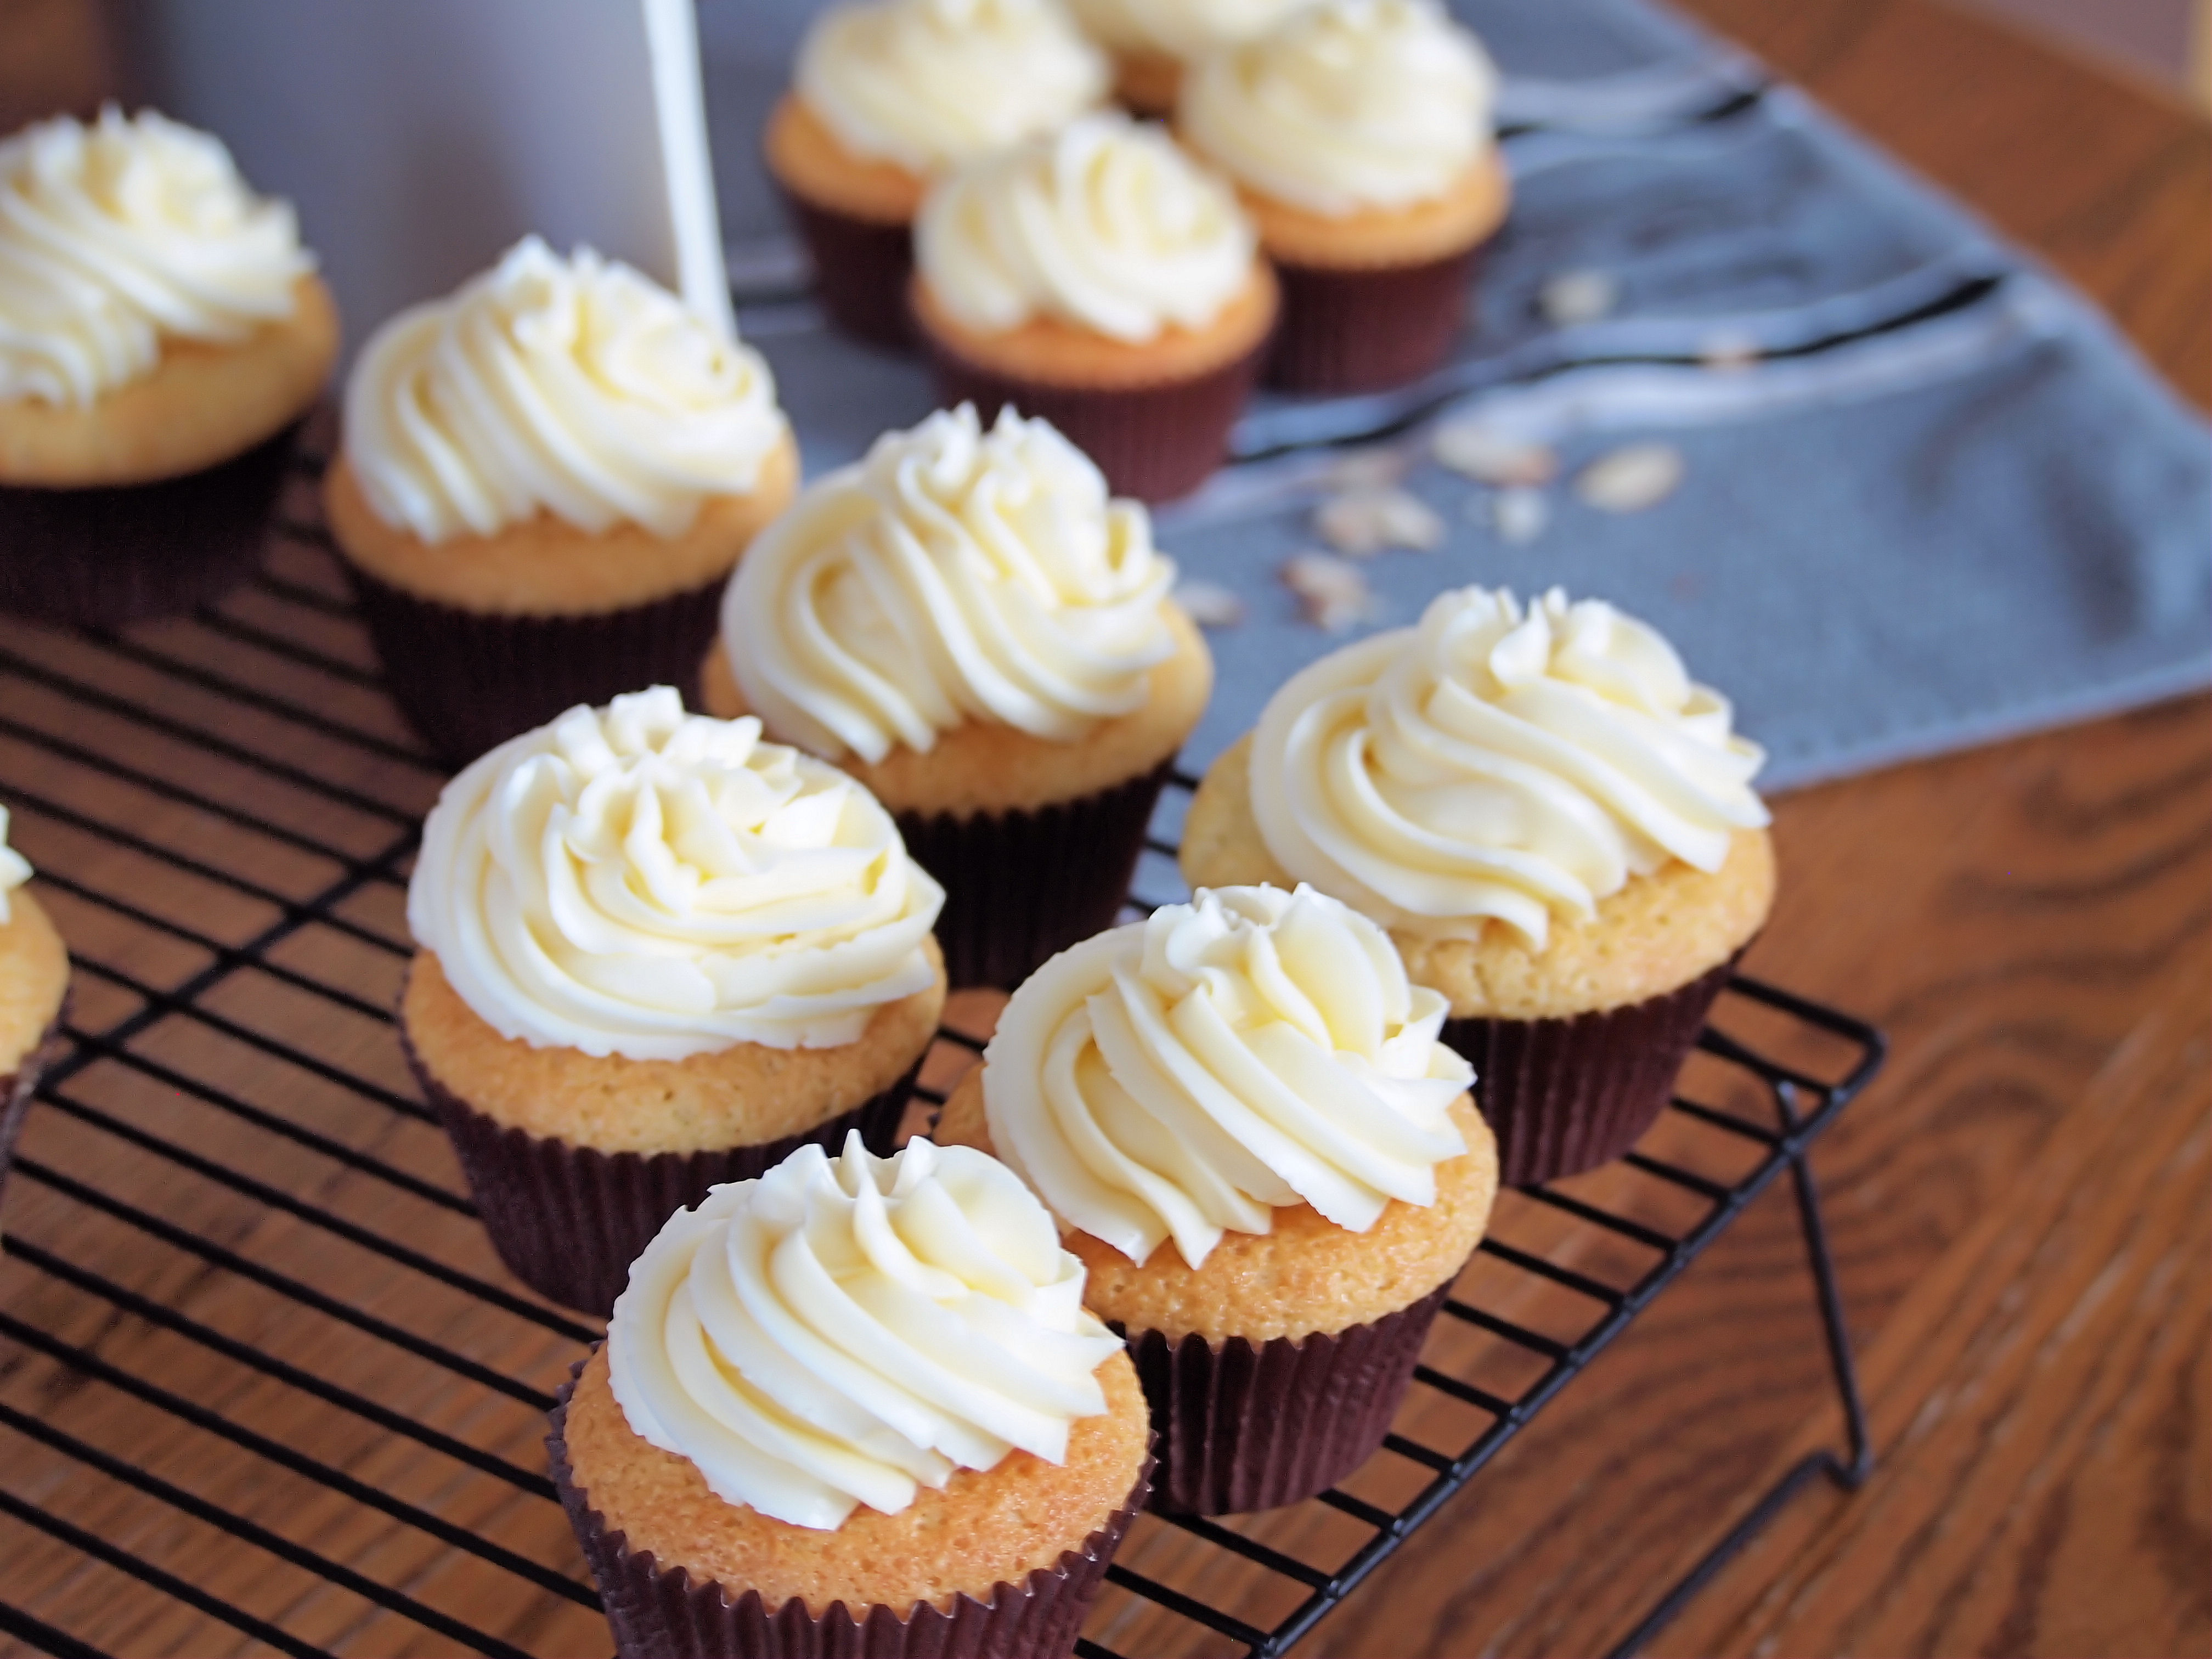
column 1187, row 1075
column 576, row 388
column 120, row 234
column 1106, row 224
column 850, row 1330
column 1498, row 762
column 928, row 84
column 956, row 574
column 634, row 880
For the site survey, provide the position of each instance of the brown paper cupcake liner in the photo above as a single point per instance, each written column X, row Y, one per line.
column 467, row 681
column 568, row 1221
column 1020, row 887
column 1362, row 330
column 17, row 1087
column 1155, row 443
column 862, row 268
column 1242, row 1427
column 659, row 1614
column 108, row 555
column 1567, row 1095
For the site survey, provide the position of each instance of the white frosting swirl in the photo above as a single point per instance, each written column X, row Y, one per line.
column 117, row 235
column 1178, row 28
column 634, row 880
column 1352, row 104
column 15, row 868
column 1491, row 763
column 926, row 83
column 575, row 387
column 1106, row 224
column 845, row 1331
column 1184, row 1076
column 953, row 575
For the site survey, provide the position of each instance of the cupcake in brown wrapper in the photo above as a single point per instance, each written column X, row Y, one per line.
column 34, row 987
column 18, row 1085
column 855, row 215
column 1351, row 330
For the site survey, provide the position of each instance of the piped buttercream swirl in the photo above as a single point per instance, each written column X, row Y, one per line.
column 636, row 880
column 575, row 387
column 1497, row 763
column 846, row 1331
column 955, row 575
column 15, row 868
column 1176, row 28
column 1184, row 1076
column 120, row 235
column 1106, row 224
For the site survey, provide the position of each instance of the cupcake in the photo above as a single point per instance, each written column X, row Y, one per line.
column 33, row 986
column 852, row 1406
column 162, row 334
column 966, row 622
column 1358, row 134
column 546, row 480
column 1272, row 1168
column 887, row 95
column 1152, row 41
column 656, row 953
column 1555, row 824
column 1103, row 279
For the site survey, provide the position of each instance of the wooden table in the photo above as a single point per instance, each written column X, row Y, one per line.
column 2017, row 1207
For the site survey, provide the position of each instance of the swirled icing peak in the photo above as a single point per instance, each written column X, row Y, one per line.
column 845, row 1331
column 1177, row 29
column 575, row 387
column 1497, row 763
column 1185, row 1076
column 1106, row 224
column 955, row 575
column 1347, row 105
column 117, row 235
column 925, row 83
column 15, row 868
column 639, row 881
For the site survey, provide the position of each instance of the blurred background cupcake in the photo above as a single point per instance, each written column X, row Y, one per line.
column 656, row 953
column 162, row 334
column 1269, row 1165
column 967, row 623
column 855, row 1406
column 1152, row 41
column 1554, row 822
column 888, row 94
column 544, row 480
column 34, row 987
column 1359, row 134
column 1103, row 279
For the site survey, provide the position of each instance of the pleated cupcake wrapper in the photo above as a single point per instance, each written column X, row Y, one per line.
column 1020, row 887
column 1361, row 331
column 669, row 1614
column 1564, row 1096
column 1245, row 1426
column 1155, row 443
column 467, row 681
column 19, row 1085
column 861, row 269
column 111, row 554
column 568, row 1221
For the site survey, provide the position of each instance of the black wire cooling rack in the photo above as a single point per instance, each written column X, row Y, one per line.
column 263, row 1385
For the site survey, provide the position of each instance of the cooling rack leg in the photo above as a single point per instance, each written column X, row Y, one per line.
column 1847, row 1476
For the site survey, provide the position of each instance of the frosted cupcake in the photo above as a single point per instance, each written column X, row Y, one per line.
column 34, row 988
column 887, row 95
column 854, row 1406
column 1104, row 280
column 969, row 625
column 655, row 953
column 1554, row 822
column 546, row 480
column 1154, row 41
column 162, row 334
column 1359, row 133
column 1241, row 1114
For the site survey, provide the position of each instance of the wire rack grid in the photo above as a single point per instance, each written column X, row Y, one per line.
column 263, row 1385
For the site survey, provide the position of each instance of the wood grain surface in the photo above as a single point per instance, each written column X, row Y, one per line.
column 2018, row 1208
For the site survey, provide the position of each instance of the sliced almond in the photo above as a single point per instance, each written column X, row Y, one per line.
column 1579, row 296
column 1363, row 522
column 1489, row 456
column 1333, row 593
column 1209, row 604
column 1632, row 479
column 1519, row 514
